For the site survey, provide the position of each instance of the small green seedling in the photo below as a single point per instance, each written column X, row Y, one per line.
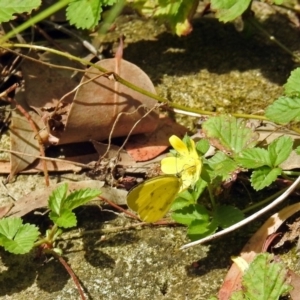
column 19, row 238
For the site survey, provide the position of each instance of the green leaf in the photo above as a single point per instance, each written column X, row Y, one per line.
column 253, row 158
column 198, row 189
column 228, row 10
column 201, row 228
column 188, row 214
column 56, row 198
column 238, row 295
column 16, row 237
column 202, row 146
column 168, row 7
column 229, row 134
column 221, row 165
column 11, row 7
column 264, row 176
column 80, row 197
column 180, row 203
column 280, row 149
column 176, row 12
column 284, row 110
column 62, row 205
column 265, row 278
column 297, row 150
column 65, row 219
column 292, row 86
column 84, row 14
column 227, row 215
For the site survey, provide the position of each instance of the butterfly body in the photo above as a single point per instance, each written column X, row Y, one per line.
column 153, row 198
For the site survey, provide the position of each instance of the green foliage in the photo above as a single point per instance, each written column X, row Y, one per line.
column 19, row 238
column 83, row 14
column 265, row 279
column 239, row 153
column 16, row 237
column 232, row 135
column 221, row 165
column 292, row 87
column 226, row 215
column 266, row 161
column 62, row 205
column 11, row 7
column 202, row 146
column 86, row 14
column 228, row 10
column 286, row 109
column 176, row 13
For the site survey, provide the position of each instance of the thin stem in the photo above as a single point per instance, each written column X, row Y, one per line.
column 35, row 19
column 272, row 38
column 71, row 273
column 128, row 84
column 211, row 195
column 33, row 127
column 263, row 202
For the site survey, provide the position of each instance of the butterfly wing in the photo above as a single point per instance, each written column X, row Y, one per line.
column 153, row 198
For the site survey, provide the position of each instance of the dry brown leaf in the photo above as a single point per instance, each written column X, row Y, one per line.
column 23, row 139
column 44, row 86
column 98, row 103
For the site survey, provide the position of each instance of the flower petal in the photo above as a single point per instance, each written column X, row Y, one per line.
column 187, row 165
column 179, row 145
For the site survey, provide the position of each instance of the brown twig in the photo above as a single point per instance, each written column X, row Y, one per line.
column 85, row 166
column 118, row 207
column 32, row 124
column 71, row 273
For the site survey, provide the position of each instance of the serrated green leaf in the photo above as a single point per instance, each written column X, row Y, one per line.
column 280, row 149
column 201, row 228
column 221, row 165
column 198, row 189
column 227, row 215
column 284, row 110
column 180, row 203
column 229, row 134
column 84, row 14
column 80, row 197
column 202, row 146
column 237, row 295
column 265, row 278
column 57, row 197
column 16, row 237
column 264, row 176
column 11, row 7
column 183, row 199
column 66, row 219
column 188, row 214
column 228, row 10
column 253, row 158
column 292, row 86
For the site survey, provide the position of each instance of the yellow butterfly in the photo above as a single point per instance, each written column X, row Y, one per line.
column 153, row 198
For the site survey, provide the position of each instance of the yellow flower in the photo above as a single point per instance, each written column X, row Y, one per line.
column 186, row 163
